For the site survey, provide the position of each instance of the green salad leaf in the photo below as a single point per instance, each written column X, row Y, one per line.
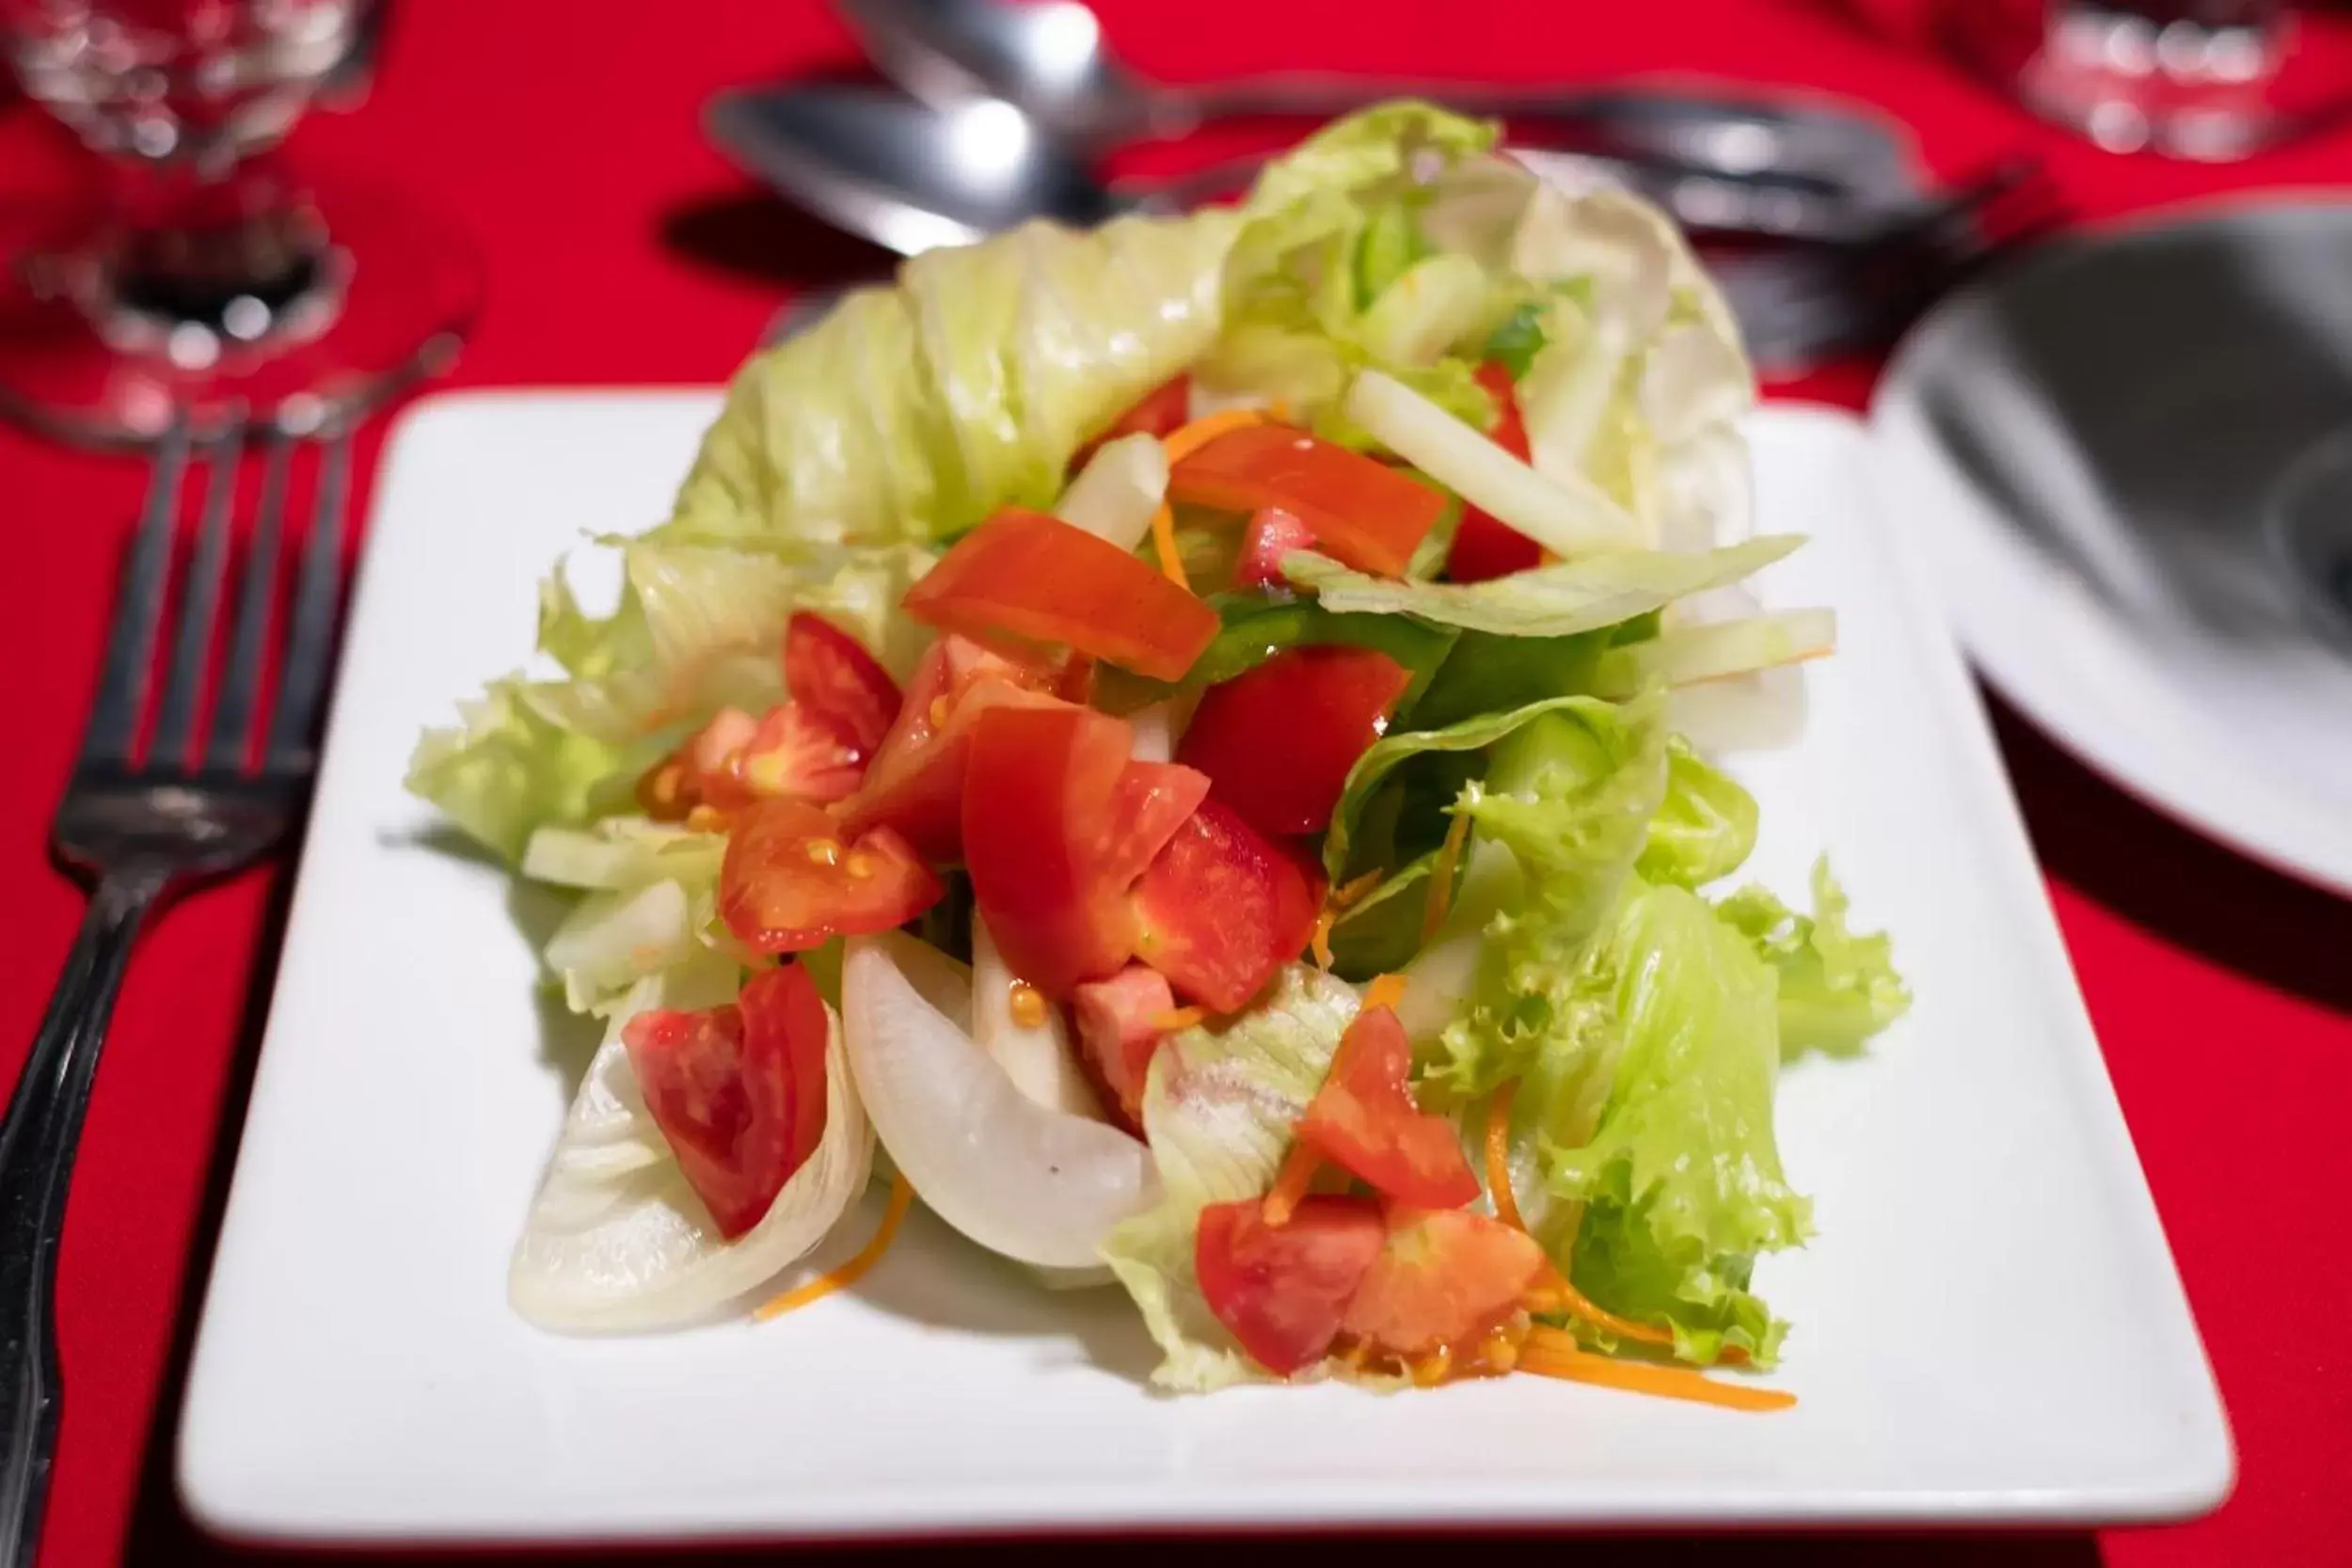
column 1838, row 987
column 1705, row 827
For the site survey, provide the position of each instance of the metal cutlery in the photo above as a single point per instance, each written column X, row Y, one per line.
column 910, row 177
column 1051, row 62
column 140, row 824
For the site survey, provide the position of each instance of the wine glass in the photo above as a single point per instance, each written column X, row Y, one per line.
column 205, row 272
column 2214, row 80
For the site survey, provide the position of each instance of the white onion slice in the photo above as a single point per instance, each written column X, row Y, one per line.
column 1116, row 493
column 618, row 1241
column 1717, row 649
column 1036, row 1058
column 1038, row 1186
column 1760, row 711
column 1564, row 512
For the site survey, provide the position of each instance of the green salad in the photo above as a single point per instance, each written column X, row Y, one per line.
column 1201, row 741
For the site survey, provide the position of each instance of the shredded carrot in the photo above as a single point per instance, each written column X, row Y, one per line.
column 1385, row 991
column 1177, row 1017
column 1292, row 1181
column 849, row 1273
column 1442, row 875
column 1338, row 902
column 1553, row 1353
column 1163, row 542
column 1557, row 1293
column 1185, row 439
column 1499, row 1156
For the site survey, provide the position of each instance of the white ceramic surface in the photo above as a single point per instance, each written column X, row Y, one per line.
column 357, row 1375
column 2089, row 453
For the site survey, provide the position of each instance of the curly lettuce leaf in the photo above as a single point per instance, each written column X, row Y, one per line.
column 1680, row 1180
column 1705, row 825
column 1217, row 1109
column 1559, row 600
column 1557, row 823
column 1838, row 987
column 503, row 770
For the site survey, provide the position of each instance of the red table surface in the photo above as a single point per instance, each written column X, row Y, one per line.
column 620, row 250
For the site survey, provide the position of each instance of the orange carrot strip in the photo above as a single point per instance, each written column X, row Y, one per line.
column 1177, row 1017
column 1320, row 943
column 1556, row 1294
column 1386, row 991
column 1292, row 1181
column 901, row 1194
column 1163, row 542
column 1498, row 1157
column 1442, row 875
column 1351, row 892
column 1185, row 439
column 1551, row 1353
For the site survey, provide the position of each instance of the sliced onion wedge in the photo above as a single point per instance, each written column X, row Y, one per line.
column 1716, row 649
column 1116, row 493
column 1564, row 512
column 1038, row 1185
column 618, row 1241
column 1036, row 1056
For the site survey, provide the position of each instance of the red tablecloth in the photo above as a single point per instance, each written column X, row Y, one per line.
column 621, row 250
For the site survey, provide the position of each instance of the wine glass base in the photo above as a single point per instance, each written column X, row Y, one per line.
column 2122, row 77
column 91, row 356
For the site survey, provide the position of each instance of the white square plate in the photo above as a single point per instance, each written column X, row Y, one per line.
column 1988, row 1326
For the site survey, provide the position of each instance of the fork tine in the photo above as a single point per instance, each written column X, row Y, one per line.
column 200, row 605
column 139, row 608
column 240, row 680
column 310, row 639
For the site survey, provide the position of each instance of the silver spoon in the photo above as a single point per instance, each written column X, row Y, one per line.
column 912, row 179
column 1049, row 61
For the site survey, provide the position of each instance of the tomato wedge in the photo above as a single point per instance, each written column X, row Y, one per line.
column 794, row 753
column 793, row 879
column 1483, row 547
column 830, row 675
column 1363, row 512
column 1284, row 1290
column 1444, row 1278
column 1276, row 741
column 1272, row 534
column 914, row 784
column 738, row 1091
column 1157, row 412
column 1057, row 825
column 1220, row 909
column 1363, row 1118
column 1119, row 1032
column 1040, row 580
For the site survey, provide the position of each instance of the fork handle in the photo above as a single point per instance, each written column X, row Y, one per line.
column 37, row 1145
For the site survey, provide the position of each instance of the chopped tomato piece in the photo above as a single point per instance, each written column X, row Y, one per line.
column 830, row 675
column 1152, row 799
column 1160, row 410
column 1118, row 1032
column 1444, row 1278
column 1057, row 825
column 1220, row 909
column 916, row 781
column 793, row 878
column 792, row 755
column 1040, row 580
column 1272, row 534
column 1485, row 548
column 1363, row 1118
column 738, row 1091
column 1363, row 512
column 1284, row 1290
column 1276, row 741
